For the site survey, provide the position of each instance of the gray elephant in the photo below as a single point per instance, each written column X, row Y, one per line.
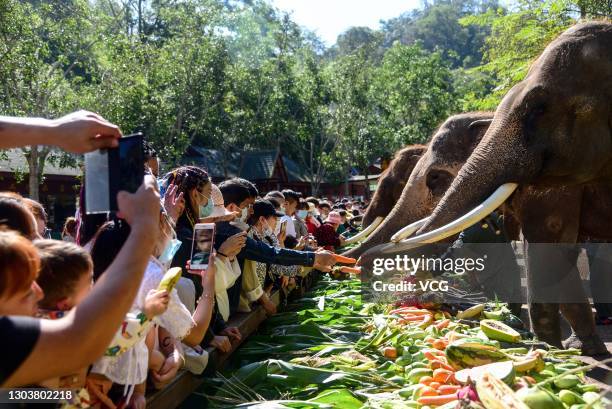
column 549, row 151
column 392, row 182
column 450, row 146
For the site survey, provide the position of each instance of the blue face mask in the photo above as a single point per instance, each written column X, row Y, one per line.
column 206, row 210
column 170, row 250
column 302, row 214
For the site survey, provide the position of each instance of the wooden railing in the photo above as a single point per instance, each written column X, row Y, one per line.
column 185, row 383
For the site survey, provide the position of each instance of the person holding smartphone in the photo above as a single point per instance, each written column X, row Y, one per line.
column 238, row 198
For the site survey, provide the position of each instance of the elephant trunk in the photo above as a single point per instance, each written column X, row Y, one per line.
column 374, row 210
column 499, row 159
column 405, row 211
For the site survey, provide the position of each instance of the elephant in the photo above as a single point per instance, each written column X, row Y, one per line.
column 392, row 182
column 449, row 147
column 546, row 155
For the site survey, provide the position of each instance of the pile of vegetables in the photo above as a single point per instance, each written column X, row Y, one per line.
column 330, row 351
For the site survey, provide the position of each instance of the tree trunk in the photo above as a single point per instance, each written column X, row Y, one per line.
column 366, row 192
column 33, row 176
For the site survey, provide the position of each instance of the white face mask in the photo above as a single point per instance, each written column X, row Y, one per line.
column 244, row 214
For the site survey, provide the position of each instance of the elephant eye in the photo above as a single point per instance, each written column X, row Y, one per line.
column 531, row 121
column 438, row 181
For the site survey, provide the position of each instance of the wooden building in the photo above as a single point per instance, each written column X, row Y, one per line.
column 271, row 170
column 59, row 188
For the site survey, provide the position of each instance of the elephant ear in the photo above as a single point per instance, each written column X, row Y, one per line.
column 477, row 129
column 480, row 123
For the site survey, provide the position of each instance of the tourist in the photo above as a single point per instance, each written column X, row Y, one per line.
column 327, row 234
column 69, row 231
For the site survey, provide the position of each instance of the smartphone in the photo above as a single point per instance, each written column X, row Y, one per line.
column 108, row 171
column 283, row 227
column 202, row 247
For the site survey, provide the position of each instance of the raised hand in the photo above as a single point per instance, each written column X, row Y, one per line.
column 233, row 245
column 173, row 203
column 83, row 131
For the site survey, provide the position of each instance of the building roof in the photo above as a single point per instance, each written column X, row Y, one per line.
column 213, row 161
column 253, row 165
column 13, row 160
column 258, row 165
column 295, row 173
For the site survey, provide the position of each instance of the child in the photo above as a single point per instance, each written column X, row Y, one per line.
column 130, row 369
column 66, row 277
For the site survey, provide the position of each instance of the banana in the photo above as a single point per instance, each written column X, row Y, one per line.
column 471, row 312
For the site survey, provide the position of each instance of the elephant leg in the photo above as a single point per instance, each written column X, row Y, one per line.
column 584, row 335
column 543, row 314
column 552, row 275
column 580, row 317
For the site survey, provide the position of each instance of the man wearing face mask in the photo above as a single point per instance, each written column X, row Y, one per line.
column 255, row 274
column 287, row 210
column 238, row 195
column 292, row 202
column 299, row 220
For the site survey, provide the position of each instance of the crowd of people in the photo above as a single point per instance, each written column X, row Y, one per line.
column 87, row 312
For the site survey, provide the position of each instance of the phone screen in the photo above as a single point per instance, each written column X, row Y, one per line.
column 283, row 227
column 202, row 247
column 97, row 196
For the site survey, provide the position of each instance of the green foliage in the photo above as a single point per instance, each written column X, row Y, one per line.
column 414, row 93
column 242, row 75
column 516, row 39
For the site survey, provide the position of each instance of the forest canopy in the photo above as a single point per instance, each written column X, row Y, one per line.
column 241, row 75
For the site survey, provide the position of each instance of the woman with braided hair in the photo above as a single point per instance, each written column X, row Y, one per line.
column 191, row 186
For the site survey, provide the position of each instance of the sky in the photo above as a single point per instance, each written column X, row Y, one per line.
column 329, row 18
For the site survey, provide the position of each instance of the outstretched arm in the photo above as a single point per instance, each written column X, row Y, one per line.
column 73, row 342
column 78, row 132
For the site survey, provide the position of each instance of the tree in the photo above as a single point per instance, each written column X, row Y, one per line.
column 414, row 92
column 516, row 39
column 42, row 46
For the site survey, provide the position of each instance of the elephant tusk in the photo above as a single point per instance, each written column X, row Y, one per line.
column 407, row 231
column 365, row 232
column 470, row 218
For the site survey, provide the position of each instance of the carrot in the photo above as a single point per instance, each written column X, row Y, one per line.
column 350, row 270
column 448, row 389
column 437, row 400
column 439, row 344
column 427, row 391
column 442, row 375
column 425, row 380
column 408, row 317
column 410, row 310
column 443, row 324
column 437, row 363
column 434, row 385
column 344, row 260
column 529, row 380
column 427, row 319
